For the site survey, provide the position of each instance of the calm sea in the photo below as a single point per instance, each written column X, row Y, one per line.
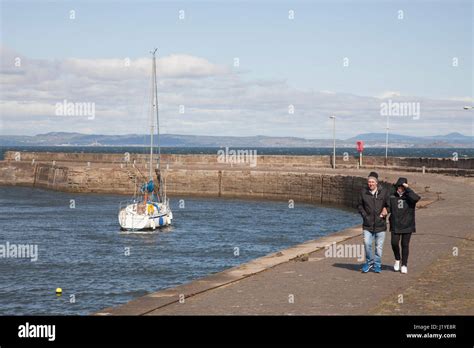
column 401, row 152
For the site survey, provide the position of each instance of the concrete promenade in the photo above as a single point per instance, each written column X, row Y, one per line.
column 302, row 281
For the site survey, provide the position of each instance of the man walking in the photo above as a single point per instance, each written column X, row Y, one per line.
column 402, row 221
column 372, row 206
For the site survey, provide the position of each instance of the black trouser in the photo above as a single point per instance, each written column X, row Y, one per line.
column 405, row 246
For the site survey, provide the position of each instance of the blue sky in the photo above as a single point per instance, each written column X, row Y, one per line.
column 411, row 57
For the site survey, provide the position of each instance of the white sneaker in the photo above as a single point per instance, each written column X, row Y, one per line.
column 396, row 266
column 404, row 270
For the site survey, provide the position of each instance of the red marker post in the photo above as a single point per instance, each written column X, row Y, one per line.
column 360, row 149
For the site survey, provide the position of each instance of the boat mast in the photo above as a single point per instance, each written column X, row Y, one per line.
column 153, row 104
column 155, row 89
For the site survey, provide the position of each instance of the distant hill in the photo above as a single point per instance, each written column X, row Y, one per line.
column 448, row 140
column 176, row 140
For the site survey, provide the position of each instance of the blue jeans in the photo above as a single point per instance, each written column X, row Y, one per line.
column 368, row 240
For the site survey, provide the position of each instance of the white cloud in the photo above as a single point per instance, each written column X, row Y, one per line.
column 217, row 100
column 174, row 66
column 467, row 100
column 389, row 94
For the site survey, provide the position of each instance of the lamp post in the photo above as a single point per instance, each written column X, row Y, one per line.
column 386, row 142
column 334, row 141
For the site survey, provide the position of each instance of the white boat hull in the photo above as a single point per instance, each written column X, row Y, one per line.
column 131, row 219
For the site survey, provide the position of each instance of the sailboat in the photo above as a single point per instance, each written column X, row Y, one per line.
column 151, row 208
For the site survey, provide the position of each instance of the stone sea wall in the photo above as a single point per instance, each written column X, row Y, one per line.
column 274, row 177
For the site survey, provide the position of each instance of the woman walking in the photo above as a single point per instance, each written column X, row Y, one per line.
column 402, row 221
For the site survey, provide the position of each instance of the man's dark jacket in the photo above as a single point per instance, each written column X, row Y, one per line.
column 370, row 206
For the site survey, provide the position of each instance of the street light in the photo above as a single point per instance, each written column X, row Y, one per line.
column 468, row 107
column 386, row 142
column 334, row 141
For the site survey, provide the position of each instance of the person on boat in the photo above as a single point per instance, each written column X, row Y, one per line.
column 402, row 221
column 155, row 195
column 373, row 207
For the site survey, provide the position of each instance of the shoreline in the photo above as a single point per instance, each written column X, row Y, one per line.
column 156, row 300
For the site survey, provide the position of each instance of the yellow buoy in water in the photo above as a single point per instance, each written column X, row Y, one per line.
column 59, row 291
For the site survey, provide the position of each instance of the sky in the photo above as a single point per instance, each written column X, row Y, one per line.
column 299, row 62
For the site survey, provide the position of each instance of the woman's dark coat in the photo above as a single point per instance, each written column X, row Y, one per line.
column 402, row 211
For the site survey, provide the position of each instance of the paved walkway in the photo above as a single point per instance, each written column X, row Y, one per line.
column 444, row 288
column 437, row 282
